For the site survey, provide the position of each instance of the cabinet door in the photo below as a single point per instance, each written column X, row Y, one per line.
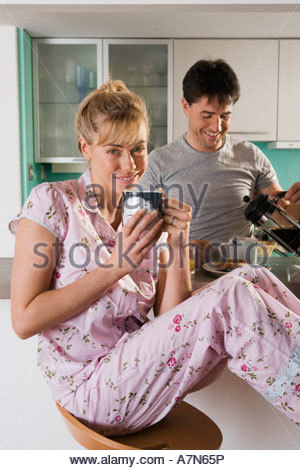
column 144, row 66
column 65, row 71
column 289, row 90
column 255, row 62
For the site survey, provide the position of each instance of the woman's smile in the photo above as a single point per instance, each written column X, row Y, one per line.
column 128, row 179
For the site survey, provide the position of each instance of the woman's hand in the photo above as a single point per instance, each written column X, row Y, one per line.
column 174, row 280
column 176, row 216
column 135, row 241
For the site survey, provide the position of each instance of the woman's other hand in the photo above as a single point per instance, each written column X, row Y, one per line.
column 177, row 217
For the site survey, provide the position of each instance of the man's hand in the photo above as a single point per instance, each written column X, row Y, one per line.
column 293, row 198
column 293, row 194
column 290, row 202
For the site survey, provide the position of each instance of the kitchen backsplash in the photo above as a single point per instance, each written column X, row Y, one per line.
column 286, row 163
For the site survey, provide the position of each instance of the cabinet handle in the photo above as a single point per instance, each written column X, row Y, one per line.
column 249, row 132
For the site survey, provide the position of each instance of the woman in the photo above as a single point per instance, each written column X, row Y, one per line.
column 87, row 285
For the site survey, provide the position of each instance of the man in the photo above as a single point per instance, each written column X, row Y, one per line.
column 207, row 168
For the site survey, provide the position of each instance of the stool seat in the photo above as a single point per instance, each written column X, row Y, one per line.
column 185, row 427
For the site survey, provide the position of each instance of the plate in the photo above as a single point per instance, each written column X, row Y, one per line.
column 216, row 271
column 220, row 272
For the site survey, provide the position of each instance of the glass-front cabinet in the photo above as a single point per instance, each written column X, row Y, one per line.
column 145, row 67
column 66, row 70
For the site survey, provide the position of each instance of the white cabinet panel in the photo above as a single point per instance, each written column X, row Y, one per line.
column 289, row 90
column 256, row 65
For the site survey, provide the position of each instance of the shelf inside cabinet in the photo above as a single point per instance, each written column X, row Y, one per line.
column 147, row 86
column 54, row 103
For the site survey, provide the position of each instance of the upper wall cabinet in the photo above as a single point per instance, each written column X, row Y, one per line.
column 145, row 66
column 256, row 65
column 64, row 72
column 289, row 91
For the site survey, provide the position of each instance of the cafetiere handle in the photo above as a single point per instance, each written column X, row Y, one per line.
column 279, row 196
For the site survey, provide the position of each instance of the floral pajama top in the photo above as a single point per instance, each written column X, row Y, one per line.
column 69, row 352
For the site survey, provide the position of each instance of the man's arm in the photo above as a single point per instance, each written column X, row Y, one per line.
column 271, row 190
column 291, row 201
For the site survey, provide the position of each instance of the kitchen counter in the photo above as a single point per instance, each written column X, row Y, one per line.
column 286, row 269
column 6, row 265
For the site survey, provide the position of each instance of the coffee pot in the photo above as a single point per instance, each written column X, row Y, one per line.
column 273, row 220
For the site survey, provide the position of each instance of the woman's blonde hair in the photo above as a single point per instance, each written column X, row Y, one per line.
column 112, row 113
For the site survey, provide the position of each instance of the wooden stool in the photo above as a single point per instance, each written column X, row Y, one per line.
column 185, row 427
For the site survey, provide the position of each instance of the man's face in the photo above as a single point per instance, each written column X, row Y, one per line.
column 208, row 122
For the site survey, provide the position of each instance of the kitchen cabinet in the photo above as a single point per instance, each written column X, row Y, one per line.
column 255, row 62
column 289, row 91
column 145, row 66
column 30, row 170
column 64, row 72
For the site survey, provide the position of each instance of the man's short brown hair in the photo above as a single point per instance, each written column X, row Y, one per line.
column 211, row 78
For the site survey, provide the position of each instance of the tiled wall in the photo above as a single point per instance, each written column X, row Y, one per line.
column 51, row 176
column 286, row 163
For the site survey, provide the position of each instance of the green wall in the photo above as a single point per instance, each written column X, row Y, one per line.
column 286, row 163
column 27, row 123
column 26, row 115
column 50, row 176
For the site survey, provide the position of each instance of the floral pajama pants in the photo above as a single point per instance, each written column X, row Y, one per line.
column 247, row 317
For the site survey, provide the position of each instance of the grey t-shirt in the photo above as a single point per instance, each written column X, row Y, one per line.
column 213, row 183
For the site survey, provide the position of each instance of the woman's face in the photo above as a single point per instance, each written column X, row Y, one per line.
column 116, row 165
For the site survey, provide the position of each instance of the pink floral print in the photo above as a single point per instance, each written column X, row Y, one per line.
column 68, row 354
column 229, row 319
column 120, row 372
column 177, row 319
column 171, row 362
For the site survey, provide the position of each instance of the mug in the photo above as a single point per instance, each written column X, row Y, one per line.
column 217, row 254
column 243, row 249
column 238, row 249
column 136, row 200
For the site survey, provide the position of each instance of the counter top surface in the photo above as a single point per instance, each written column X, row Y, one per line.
column 6, row 265
column 286, row 269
